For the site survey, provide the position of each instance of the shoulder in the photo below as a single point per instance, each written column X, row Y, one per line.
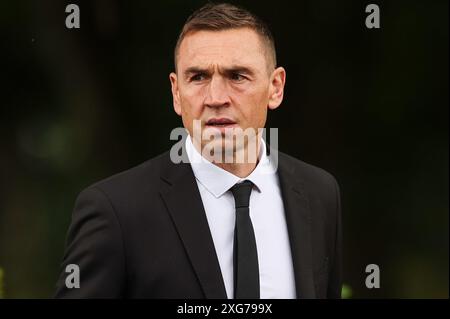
column 316, row 185
column 315, row 181
column 136, row 182
column 307, row 172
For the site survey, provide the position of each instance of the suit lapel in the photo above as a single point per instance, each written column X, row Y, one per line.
column 185, row 206
column 298, row 219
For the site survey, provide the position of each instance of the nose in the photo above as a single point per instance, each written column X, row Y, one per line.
column 217, row 95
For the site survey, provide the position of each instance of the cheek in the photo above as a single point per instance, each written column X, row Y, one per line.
column 259, row 117
column 254, row 108
column 192, row 102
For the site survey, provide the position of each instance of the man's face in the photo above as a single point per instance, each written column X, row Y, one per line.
column 226, row 80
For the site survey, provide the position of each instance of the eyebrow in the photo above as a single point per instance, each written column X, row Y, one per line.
column 194, row 70
column 229, row 70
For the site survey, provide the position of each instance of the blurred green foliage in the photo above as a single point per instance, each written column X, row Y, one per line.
column 2, row 293
column 346, row 291
column 369, row 106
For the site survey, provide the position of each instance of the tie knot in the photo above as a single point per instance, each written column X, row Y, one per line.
column 241, row 193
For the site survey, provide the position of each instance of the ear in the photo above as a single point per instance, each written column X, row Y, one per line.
column 276, row 87
column 175, row 93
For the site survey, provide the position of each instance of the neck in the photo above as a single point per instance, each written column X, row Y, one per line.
column 237, row 167
column 240, row 170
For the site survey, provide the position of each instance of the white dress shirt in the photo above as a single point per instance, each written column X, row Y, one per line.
column 276, row 273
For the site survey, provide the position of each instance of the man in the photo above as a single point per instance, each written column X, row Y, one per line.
column 216, row 226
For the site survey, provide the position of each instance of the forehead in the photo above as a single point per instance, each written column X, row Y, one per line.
column 227, row 47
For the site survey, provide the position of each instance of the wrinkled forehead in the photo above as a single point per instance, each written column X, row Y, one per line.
column 222, row 49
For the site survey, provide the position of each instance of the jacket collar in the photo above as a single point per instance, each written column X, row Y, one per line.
column 180, row 194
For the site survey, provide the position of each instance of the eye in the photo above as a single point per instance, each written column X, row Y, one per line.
column 198, row 77
column 237, row 77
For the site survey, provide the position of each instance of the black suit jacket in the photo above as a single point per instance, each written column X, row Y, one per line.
column 144, row 234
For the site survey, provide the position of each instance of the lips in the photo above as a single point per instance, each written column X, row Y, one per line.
column 220, row 122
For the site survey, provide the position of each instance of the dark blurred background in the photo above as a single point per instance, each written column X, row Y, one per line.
column 368, row 105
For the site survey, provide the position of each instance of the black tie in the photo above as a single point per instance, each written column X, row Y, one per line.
column 245, row 256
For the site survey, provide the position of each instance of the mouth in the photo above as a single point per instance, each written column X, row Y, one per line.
column 220, row 122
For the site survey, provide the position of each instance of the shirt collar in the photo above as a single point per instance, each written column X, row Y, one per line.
column 217, row 180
